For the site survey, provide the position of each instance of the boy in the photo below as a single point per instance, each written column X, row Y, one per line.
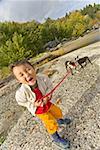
column 29, row 95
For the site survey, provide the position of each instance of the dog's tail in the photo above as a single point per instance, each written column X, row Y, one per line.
column 66, row 64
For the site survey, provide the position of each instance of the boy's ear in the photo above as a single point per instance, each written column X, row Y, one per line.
column 16, row 78
column 37, row 69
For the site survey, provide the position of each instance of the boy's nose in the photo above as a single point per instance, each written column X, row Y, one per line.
column 26, row 74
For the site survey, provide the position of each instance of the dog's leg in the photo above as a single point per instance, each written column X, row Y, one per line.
column 71, row 71
column 89, row 61
column 81, row 66
column 85, row 63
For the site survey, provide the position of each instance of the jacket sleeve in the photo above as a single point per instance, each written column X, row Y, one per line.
column 22, row 100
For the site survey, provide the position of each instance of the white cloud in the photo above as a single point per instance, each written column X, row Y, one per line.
column 26, row 10
column 4, row 11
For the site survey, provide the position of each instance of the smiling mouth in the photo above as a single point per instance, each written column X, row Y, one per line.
column 31, row 79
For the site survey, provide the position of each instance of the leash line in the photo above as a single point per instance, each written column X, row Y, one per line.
column 68, row 72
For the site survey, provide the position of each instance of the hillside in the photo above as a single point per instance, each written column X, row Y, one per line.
column 80, row 95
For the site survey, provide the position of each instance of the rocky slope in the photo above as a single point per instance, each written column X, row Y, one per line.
column 80, row 95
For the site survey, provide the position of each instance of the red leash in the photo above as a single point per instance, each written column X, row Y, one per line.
column 56, row 86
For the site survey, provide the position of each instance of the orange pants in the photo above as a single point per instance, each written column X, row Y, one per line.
column 49, row 118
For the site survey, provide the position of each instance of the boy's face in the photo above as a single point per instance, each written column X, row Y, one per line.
column 25, row 74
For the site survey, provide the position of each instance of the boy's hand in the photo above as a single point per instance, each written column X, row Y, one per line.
column 42, row 102
column 38, row 103
column 46, row 99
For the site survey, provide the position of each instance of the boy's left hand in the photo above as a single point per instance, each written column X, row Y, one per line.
column 46, row 99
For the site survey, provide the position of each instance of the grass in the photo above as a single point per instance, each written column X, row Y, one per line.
column 4, row 72
column 32, row 60
column 58, row 53
column 2, row 139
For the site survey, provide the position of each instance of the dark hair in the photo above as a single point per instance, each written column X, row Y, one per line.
column 18, row 63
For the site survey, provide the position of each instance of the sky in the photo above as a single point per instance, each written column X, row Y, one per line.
column 39, row 10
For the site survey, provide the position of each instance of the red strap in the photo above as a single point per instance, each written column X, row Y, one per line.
column 68, row 72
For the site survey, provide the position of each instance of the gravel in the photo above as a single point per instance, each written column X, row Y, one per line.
column 80, row 95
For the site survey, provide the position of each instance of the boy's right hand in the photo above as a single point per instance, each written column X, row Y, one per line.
column 38, row 103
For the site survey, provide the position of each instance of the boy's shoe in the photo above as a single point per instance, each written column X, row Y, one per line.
column 63, row 143
column 65, row 121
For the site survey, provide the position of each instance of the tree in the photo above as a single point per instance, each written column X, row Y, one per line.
column 91, row 10
column 48, row 31
column 13, row 50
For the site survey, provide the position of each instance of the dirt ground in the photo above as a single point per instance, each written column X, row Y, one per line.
column 80, row 96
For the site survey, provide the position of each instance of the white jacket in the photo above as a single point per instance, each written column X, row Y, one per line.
column 26, row 97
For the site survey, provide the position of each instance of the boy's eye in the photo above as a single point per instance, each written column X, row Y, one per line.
column 28, row 69
column 21, row 74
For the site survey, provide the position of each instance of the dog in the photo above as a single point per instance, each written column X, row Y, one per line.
column 83, row 60
column 70, row 65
